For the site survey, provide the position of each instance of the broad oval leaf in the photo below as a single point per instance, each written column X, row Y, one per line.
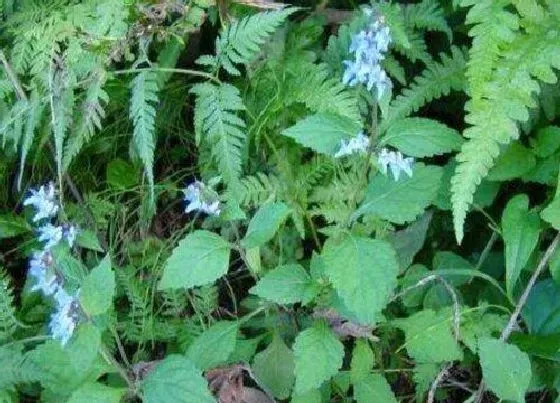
column 364, row 273
column 201, row 258
column 98, row 289
column 403, row 200
column 514, row 162
column 176, row 380
column 274, row 367
column 214, row 345
column 521, row 229
column 286, row 284
column 505, row 368
column 420, row 137
column 318, row 357
column 94, row 392
column 265, row 223
column 323, row 132
column 373, row 388
column 542, row 310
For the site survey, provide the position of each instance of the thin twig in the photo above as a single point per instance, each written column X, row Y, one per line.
column 435, row 383
column 520, row 304
column 12, row 76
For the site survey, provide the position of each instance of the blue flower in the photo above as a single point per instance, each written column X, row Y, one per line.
column 43, row 201
column 357, row 144
column 396, row 162
column 64, row 319
column 201, row 198
column 369, row 48
column 50, row 234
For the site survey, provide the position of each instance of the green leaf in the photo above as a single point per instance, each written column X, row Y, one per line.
column 318, row 357
column 214, row 346
column 514, row 162
column 323, row 132
column 176, row 380
column 84, row 347
column 88, row 240
column 521, row 229
column 143, row 114
column 265, row 224
column 543, row 346
column 551, row 214
column 201, row 258
column 506, row 369
column 547, row 141
column 94, row 392
column 408, row 242
column 120, row 174
column 429, row 337
column 363, row 272
column 274, row 367
column 362, row 361
column 476, row 325
column 420, row 137
column 424, row 374
column 98, row 289
column 12, row 225
column 542, row 310
column 285, row 285
column 373, row 388
column 403, row 200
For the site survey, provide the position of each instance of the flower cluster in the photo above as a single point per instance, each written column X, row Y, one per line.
column 396, row 162
column 64, row 319
column 357, row 144
column 199, row 197
column 369, row 47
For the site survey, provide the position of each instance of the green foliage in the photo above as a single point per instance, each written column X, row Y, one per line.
column 511, row 384
column 274, row 367
column 98, row 289
column 207, row 255
column 318, row 356
column 175, row 379
column 286, row 285
column 265, row 223
column 8, row 319
column 214, row 345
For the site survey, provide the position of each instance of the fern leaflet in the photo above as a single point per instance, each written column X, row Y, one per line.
column 143, row 113
column 8, row 320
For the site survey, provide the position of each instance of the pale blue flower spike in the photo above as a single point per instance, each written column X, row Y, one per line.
column 358, row 144
column 395, row 161
column 50, row 234
column 369, row 47
column 43, row 201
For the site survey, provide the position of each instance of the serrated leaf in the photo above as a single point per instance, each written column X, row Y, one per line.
column 214, row 345
column 265, row 224
column 201, row 258
column 521, row 229
column 94, row 392
column 420, row 137
column 403, row 200
column 98, row 289
column 547, row 141
column 373, row 388
column 551, row 214
column 286, row 284
column 423, row 375
column 542, row 310
column 323, row 132
column 505, row 368
column 274, row 367
column 429, row 337
column 362, row 361
column 363, row 272
column 12, row 225
column 318, row 357
column 408, row 242
column 176, row 380
column 514, row 162
column 88, row 240
column 120, row 174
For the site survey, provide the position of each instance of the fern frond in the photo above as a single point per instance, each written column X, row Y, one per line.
column 240, row 42
column 216, row 120
column 311, row 84
column 34, row 113
column 89, row 119
column 143, row 112
column 8, row 319
column 499, row 105
column 311, row 173
column 494, row 29
column 438, row 80
column 429, row 16
column 254, row 191
column 417, row 49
